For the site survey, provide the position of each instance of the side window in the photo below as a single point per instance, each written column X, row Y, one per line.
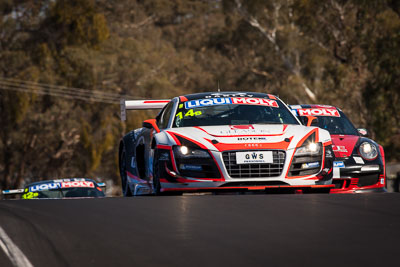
column 163, row 120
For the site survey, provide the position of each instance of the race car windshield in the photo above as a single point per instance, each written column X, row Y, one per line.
column 232, row 111
column 337, row 125
column 65, row 193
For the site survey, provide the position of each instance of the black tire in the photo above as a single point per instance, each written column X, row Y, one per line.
column 122, row 172
column 156, row 175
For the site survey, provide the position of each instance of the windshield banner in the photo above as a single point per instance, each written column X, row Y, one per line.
column 49, row 186
column 231, row 100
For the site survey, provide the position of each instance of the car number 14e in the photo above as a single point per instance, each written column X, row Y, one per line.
column 254, row 157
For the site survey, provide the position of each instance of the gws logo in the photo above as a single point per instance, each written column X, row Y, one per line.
column 254, row 156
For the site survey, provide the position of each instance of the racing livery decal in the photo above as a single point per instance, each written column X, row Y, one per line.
column 230, row 100
column 318, row 112
column 49, row 186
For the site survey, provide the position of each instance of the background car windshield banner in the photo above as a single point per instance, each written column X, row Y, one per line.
column 318, row 112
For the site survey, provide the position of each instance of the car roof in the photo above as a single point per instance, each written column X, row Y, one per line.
column 227, row 94
column 312, row 106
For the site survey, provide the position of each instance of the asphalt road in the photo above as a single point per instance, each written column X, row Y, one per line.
column 223, row 230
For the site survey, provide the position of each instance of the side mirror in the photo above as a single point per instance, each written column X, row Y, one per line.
column 147, row 125
column 151, row 124
column 311, row 121
column 363, row 131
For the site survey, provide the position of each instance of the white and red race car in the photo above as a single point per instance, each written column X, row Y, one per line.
column 223, row 141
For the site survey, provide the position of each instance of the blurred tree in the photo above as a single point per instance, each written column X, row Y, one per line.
column 40, row 134
column 382, row 93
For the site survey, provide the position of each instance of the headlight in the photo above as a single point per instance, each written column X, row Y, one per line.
column 187, row 152
column 309, row 149
column 184, row 150
column 368, row 151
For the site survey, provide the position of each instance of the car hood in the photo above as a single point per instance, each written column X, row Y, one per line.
column 343, row 145
column 254, row 136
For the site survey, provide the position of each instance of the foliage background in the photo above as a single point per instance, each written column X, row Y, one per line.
column 64, row 65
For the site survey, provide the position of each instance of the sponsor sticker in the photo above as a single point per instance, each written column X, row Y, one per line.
column 339, row 149
column 310, row 165
column 241, row 127
column 251, row 138
column 295, row 106
column 30, row 195
column 245, row 132
column 68, row 180
column 336, row 172
column 77, row 184
column 358, row 160
column 318, row 112
column 254, row 157
column 42, row 187
column 230, row 100
column 336, row 168
column 191, row 167
column 338, row 164
column 222, row 94
column 50, row 186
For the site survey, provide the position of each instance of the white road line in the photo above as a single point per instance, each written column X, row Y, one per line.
column 15, row 255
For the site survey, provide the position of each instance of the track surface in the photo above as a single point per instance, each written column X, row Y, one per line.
column 227, row 230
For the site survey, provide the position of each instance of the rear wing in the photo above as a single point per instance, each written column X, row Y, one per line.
column 12, row 191
column 141, row 104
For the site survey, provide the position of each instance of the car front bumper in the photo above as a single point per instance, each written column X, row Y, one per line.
column 359, row 179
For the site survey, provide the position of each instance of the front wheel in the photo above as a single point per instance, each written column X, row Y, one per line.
column 159, row 172
column 156, row 174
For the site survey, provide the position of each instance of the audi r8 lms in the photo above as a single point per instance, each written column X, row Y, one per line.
column 360, row 161
column 220, row 142
column 60, row 188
